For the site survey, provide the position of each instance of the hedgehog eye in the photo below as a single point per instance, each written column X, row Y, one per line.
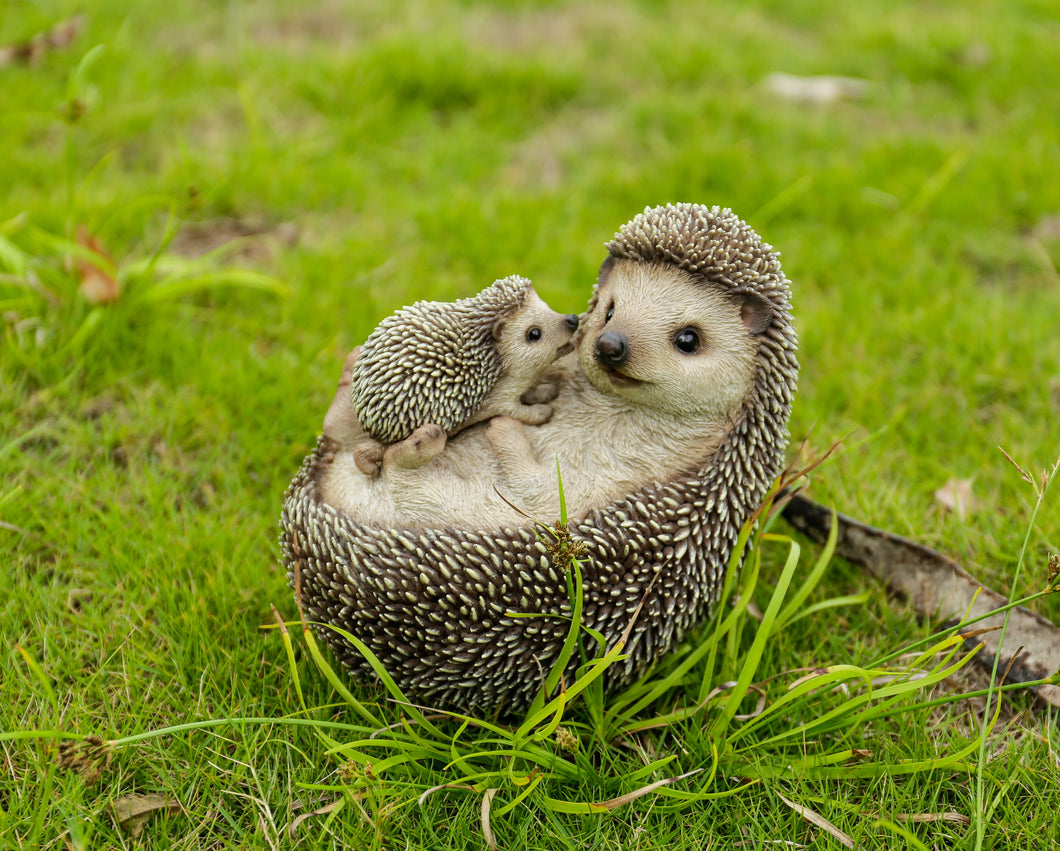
column 610, row 313
column 687, row 341
column 533, row 335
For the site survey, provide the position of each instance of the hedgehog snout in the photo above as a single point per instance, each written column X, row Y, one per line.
column 572, row 321
column 612, row 349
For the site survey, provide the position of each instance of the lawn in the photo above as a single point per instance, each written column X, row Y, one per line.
column 268, row 179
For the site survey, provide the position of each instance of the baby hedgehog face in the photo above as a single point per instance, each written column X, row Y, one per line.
column 457, row 363
column 531, row 338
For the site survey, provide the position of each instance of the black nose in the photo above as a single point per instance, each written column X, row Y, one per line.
column 572, row 321
column 612, row 349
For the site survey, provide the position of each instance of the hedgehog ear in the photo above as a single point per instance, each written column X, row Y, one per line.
column 498, row 329
column 605, row 270
column 756, row 312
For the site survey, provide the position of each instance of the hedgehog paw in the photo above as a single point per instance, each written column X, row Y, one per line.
column 341, row 423
column 368, row 457
column 424, row 444
column 546, row 391
column 533, row 414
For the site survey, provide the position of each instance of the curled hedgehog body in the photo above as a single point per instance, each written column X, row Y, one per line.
column 441, row 606
column 454, row 364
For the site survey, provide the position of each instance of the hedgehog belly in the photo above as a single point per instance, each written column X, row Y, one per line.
column 435, row 606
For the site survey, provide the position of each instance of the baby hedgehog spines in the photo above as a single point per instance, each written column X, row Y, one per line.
column 456, row 363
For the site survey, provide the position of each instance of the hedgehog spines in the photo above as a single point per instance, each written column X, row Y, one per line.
column 432, row 362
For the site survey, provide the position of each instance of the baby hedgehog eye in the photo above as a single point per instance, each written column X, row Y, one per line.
column 533, row 335
column 610, row 313
column 687, row 341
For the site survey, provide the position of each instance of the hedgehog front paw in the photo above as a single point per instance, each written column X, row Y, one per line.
column 368, row 457
column 503, row 429
column 533, row 414
column 507, row 437
column 546, row 391
column 419, row 448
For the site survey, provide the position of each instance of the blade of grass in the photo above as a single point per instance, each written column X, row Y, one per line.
column 795, row 602
column 384, row 676
column 42, row 678
column 336, row 683
column 980, row 782
column 754, row 655
column 576, row 596
column 238, row 278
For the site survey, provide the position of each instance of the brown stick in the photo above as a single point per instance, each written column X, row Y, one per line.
column 938, row 588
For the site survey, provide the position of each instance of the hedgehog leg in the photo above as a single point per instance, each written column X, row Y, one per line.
column 508, row 439
column 424, row 444
column 527, row 484
column 368, row 457
column 532, row 414
column 546, row 391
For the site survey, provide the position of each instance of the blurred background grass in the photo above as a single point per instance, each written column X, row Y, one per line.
column 368, row 154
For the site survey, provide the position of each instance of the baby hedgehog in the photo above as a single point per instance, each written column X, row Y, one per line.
column 456, row 363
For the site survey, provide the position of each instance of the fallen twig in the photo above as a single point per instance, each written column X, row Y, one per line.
column 938, row 587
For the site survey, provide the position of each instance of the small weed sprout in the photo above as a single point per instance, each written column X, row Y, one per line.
column 61, row 292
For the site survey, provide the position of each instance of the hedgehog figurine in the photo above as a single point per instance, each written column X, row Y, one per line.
column 447, row 608
column 455, row 364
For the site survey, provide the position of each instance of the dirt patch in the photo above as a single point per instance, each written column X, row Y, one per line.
column 553, row 30
column 329, row 23
column 251, row 242
column 543, row 159
column 1047, row 229
column 32, row 50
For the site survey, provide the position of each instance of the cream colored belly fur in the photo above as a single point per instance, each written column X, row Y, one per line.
column 660, row 414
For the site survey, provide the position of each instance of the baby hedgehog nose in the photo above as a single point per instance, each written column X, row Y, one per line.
column 612, row 349
column 572, row 321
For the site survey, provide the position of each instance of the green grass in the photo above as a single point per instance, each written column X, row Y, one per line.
column 391, row 155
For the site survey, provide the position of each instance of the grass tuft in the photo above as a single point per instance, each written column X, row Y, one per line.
column 804, row 726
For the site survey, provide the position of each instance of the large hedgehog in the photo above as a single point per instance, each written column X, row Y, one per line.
column 687, row 359
column 458, row 363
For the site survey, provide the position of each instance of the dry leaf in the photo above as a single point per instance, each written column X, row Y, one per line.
column 819, row 820
column 97, row 284
column 823, row 89
column 441, row 786
column 759, row 706
column 487, row 831
column 292, row 828
column 133, row 811
column 956, row 495
column 622, row 800
column 32, row 49
column 927, row 818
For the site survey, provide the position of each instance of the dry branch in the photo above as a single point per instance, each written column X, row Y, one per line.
column 937, row 587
